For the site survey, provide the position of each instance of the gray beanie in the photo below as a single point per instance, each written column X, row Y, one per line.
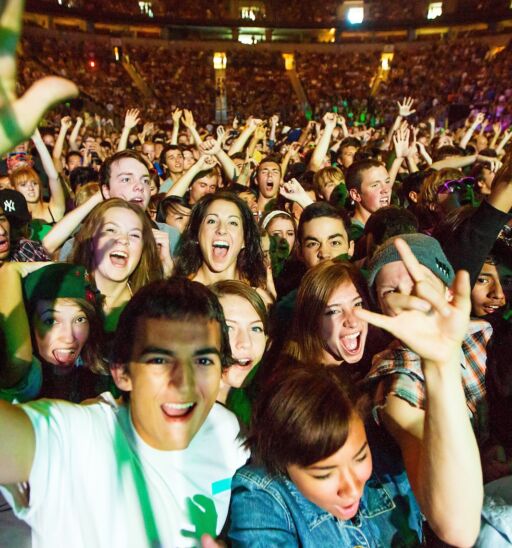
column 425, row 248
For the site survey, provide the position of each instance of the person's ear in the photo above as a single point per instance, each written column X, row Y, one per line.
column 356, row 197
column 413, row 196
column 105, row 190
column 121, row 376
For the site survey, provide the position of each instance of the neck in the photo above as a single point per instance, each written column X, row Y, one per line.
column 115, row 293
column 262, row 202
column 208, row 277
column 222, row 396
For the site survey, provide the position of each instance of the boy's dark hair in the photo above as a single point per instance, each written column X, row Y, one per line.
column 354, row 175
column 177, row 299
column 166, row 149
column 322, row 209
column 238, row 189
column 168, row 204
column 349, row 142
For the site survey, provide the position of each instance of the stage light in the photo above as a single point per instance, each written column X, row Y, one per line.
column 92, row 64
column 355, row 15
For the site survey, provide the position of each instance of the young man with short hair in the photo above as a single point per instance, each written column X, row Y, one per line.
column 268, row 180
column 154, row 470
column 172, row 157
column 369, row 186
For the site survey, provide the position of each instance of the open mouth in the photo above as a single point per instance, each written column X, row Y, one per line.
column 4, row 245
column 137, row 201
column 384, row 202
column 220, row 249
column 491, row 308
column 65, row 356
column 243, row 362
column 348, row 511
column 119, row 258
column 178, row 411
column 352, row 343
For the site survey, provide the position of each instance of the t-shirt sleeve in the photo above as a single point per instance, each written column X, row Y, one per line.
column 54, row 424
column 398, row 373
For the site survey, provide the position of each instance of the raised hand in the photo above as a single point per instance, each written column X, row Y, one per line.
column 210, row 147
column 188, row 118
column 176, row 116
column 405, row 108
column 66, row 122
column 431, row 326
column 274, row 120
column 20, row 116
column 132, row 118
column 293, row 190
column 221, row 134
column 401, row 141
column 479, row 119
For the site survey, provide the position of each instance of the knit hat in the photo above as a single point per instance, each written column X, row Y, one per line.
column 425, row 248
column 57, row 280
column 14, row 207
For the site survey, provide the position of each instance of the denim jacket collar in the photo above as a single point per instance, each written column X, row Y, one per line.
column 375, row 501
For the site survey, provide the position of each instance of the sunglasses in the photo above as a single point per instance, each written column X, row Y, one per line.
column 455, row 185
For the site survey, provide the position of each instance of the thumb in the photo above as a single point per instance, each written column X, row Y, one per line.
column 19, row 119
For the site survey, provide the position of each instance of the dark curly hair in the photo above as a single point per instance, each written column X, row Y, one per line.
column 249, row 263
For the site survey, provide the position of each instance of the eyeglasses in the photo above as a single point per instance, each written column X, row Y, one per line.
column 455, row 185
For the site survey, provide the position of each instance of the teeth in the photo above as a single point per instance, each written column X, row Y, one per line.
column 219, row 243
column 353, row 336
column 179, row 406
column 121, row 254
column 244, row 361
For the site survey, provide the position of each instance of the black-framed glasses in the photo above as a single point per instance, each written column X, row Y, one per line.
column 455, row 185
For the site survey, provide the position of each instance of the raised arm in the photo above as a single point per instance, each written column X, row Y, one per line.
column 479, row 119
column 68, row 224
column 57, row 196
column 501, row 193
column 131, row 119
column 323, row 144
column 65, row 124
column 239, row 143
column 213, row 148
column 19, row 116
column 15, row 327
column 438, row 444
column 74, row 134
column 404, row 111
column 188, row 121
column 181, row 186
column 176, row 117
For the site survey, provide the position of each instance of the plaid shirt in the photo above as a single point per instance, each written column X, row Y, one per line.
column 28, row 251
column 397, row 370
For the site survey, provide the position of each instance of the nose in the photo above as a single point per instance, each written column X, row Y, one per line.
column 242, row 339
column 66, row 333
column 324, row 252
column 496, row 292
column 349, row 486
column 221, row 228
column 183, row 376
column 349, row 319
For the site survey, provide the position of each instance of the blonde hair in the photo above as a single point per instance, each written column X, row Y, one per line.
column 325, row 176
column 428, row 192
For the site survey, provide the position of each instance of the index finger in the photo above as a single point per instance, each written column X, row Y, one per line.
column 411, row 263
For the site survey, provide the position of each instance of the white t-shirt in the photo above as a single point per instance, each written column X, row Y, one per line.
column 95, row 483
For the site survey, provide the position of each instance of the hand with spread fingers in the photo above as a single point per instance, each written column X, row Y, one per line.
column 19, row 116
column 426, row 321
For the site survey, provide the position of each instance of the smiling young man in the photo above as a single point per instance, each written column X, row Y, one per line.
column 369, row 186
column 154, row 470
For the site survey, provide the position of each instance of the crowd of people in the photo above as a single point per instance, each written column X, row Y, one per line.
column 293, row 12
column 257, row 333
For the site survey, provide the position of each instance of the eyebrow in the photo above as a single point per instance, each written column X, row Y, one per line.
column 168, row 352
column 118, row 225
column 340, row 304
column 363, row 448
column 331, row 237
column 229, row 216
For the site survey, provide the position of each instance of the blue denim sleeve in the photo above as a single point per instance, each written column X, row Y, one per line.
column 259, row 517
